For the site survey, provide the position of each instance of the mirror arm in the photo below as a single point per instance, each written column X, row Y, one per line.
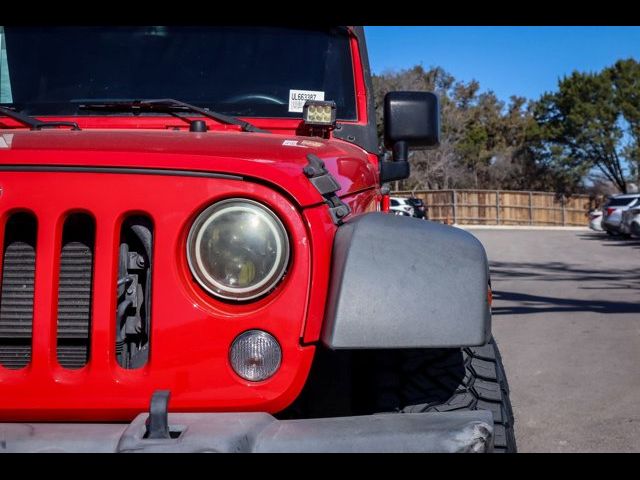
column 401, row 151
column 398, row 169
column 390, row 171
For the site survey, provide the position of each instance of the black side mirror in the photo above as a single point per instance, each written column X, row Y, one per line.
column 411, row 120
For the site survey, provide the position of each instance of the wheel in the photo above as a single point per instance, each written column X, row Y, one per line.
column 484, row 387
column 444, row 380
column 410, row 381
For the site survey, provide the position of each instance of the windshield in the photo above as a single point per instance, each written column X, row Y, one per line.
column 239, row 71
column 620, row 202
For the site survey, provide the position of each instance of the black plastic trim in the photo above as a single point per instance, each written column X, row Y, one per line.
column 434, row 296
column 259, row 432
column 19, row 251
column 327, row 186
column 75, row 290
column 157, row 424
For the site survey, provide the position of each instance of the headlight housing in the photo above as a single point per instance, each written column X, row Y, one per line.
column 237, row 249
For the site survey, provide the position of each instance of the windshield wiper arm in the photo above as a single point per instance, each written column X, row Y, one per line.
column 34, row 123
column 170, row 106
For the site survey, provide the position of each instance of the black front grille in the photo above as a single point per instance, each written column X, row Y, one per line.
column 74, row 291
column 16, row 304
column 134, row 292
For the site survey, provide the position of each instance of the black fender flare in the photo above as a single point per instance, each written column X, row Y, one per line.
column 402, row 282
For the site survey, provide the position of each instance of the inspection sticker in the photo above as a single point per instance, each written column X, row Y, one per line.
column 297, row 98
column 291, row 143
column 5, row 140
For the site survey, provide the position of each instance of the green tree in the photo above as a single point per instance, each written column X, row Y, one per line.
column 625, row 78
column 580, row 129
column 483, row 141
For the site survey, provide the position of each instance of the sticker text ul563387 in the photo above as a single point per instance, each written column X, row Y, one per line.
column 297, row 98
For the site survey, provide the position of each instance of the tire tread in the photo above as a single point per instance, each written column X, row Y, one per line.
column 483, row 387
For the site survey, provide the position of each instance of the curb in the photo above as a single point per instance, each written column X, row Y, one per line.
column 521, row 227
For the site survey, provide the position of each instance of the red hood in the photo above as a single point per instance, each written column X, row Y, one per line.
column 274, row 158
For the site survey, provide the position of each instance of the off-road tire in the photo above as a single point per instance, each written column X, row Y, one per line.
column 484, row 387
column 445, row 380
column 363, row 382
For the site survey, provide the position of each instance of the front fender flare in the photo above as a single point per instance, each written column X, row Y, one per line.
column 401, row 282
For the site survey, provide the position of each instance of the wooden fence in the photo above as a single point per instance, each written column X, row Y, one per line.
column 503, row 207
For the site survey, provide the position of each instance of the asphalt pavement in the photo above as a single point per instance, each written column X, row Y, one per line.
column 566, row 317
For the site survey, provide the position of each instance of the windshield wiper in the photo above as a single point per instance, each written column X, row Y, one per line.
column 34, row 123
column 170, row 106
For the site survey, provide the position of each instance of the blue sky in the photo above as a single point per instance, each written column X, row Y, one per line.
column 525, row 61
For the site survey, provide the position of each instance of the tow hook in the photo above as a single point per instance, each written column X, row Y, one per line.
column 157, row 424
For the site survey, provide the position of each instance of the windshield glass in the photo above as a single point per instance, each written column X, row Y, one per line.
column 620, row 202
column 239, row 71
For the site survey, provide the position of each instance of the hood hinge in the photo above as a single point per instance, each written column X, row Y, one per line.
column 327, row 186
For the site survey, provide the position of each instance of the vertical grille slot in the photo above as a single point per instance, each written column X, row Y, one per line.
column 74, row 291
column 16, row 304
column 133, row 315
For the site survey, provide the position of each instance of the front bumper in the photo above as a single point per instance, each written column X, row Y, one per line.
column 447, row 432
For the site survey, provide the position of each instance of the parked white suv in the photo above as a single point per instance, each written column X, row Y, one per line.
column 612, row 211
column 401, row 206
column 595, row 220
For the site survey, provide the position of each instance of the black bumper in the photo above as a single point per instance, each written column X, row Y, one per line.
column 260, row 432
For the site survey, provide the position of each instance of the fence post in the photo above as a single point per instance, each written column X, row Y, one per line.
column 530, row 209
column 455, row 213
column 497, row 207
column 564, row 217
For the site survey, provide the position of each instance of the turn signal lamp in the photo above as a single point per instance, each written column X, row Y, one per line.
column 255, row 355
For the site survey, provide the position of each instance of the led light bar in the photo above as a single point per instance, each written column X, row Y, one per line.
column 319, row 113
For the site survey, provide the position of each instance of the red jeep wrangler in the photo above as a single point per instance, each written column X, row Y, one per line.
column 193, row 221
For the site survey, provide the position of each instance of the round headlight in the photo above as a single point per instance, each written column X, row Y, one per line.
column 238, row 249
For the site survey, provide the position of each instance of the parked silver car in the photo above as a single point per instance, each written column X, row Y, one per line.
column 612, row 211
column 630, row 224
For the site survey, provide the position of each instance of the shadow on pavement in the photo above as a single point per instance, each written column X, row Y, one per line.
column 560, row 271
column 610, row 241
column 596, row 282
column 541, row 304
